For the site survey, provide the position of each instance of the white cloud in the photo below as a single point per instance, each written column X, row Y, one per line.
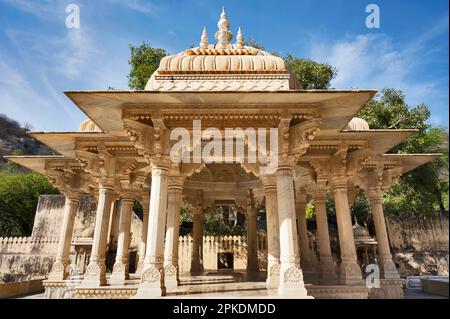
column 372, row 61
column 18, row 97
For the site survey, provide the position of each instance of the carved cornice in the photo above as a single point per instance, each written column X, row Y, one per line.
column 301, row 135
column 70, row 183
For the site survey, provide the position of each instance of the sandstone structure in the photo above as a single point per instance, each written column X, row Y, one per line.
column 125, row 151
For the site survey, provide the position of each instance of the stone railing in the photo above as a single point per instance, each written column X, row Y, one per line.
column 26, row 245
column 213, row 245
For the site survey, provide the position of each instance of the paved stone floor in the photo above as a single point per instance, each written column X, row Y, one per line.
column 225, row 285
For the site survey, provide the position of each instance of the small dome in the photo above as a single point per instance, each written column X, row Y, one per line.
column 88, row 232
column 360, row 232
column 357, row 124
column 89, row 126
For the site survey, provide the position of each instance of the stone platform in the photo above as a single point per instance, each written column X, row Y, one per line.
column 208, row 285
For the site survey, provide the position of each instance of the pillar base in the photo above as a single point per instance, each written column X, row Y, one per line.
column 95, row 275
column 171, row 279
column 291, row 283
column 389, row 289
column 388, row 269
column 119, row 274
column 140, row 268
column 59, row 271
column 328, row 272
column 152, row 284
column 196, row 269
column 273, row 275
column 350, row 274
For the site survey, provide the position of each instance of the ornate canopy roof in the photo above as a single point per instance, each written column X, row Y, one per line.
column 224, row 85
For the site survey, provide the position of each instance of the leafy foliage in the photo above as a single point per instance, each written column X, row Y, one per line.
column 144, row 61
column 19, row 194
column 312, row 75
column 422, row 191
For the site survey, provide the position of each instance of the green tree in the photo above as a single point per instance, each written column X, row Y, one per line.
column 423, row 190
column 144, row 61
column 19, row 194
column 312, row 75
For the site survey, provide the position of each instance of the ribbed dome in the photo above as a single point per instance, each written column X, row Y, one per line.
column 357, row 124
column 89, row 126
column 88, row 232
column 360, row 232
column 246, row 60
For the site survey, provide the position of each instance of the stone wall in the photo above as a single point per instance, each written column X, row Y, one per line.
column 26, row 257
column 420, row 247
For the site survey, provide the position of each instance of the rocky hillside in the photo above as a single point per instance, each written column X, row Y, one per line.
column 15, row 141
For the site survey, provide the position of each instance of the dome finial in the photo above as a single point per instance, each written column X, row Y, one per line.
column 223, row 35
column 204, row 40
column 240, row 39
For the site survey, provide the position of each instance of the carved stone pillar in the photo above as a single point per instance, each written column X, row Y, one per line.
column 145, row 210
column 121, row 266
column 273, row 234
column 305, row 251
column 328, row 270
column 171, row 270
column 95, row 271
column 350, row 273
column 60, row 268
column 197, row 243
column 291, row 275
column 152, row 281
column 387, row 266
column 252, row 249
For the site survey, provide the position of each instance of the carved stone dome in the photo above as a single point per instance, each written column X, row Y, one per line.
column 245, row 60
column 360, row 232
column 357, row 124
column 88, row 232
column 89, row 126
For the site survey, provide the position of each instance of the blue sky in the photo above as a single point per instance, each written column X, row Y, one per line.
column 40, row 58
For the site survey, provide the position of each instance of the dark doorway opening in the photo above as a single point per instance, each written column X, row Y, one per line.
column 225, row 261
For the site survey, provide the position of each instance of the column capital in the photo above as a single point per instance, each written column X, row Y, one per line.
column 285, row 171
column 73, row 195
column 161, row 163
column 374, row 194
column 269, row 182
column 129, row 195
column 175, row 183
column 339, row 182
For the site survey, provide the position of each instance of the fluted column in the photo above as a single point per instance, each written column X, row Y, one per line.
column 350, row 272
column 291, row 275
column 197, row 243
column 152, row 280
column 145, row 210
column 60, row 268
column 120, row 271
column 95, row 271
column 305, row 251
column 328, row 270
column 252, row 249
column 273, row 234
column 387, row 266
column 171, row 270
